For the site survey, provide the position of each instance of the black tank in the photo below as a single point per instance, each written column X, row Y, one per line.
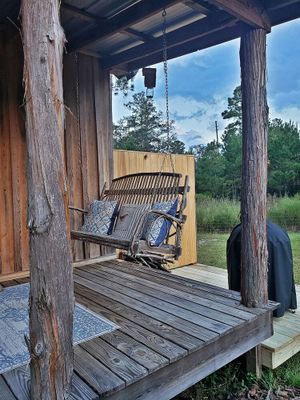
column 281, row 285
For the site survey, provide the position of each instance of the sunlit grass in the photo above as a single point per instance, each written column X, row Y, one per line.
column 212, row 250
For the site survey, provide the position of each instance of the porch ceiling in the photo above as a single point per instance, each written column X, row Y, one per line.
column 127, row 34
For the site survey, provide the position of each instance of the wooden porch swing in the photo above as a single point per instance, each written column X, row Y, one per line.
column 146, row 204
column 145, row 191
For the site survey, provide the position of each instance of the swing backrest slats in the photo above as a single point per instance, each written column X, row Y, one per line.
column 144, row 188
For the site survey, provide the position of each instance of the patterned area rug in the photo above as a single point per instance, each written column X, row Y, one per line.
column 14, row 321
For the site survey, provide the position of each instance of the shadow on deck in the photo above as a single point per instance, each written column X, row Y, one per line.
column 173, row 332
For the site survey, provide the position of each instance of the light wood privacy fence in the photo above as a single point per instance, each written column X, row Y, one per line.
column 129, row 162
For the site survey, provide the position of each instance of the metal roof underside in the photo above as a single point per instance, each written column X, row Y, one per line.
column 127, row 34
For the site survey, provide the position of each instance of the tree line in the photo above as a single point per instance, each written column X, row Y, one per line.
column 218, row 165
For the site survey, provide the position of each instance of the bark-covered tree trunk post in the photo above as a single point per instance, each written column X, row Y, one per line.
column 254, row 290
column 51, row 289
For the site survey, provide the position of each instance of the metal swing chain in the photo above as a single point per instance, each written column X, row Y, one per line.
column 165, row 60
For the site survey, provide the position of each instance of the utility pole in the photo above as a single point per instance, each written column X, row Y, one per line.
column 217, row 132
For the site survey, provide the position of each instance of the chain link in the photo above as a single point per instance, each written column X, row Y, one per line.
column 77, row 92
column 165, row 60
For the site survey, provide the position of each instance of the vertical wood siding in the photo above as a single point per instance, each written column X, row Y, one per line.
column 14, row 252
column 87, row 143
column 88, row 153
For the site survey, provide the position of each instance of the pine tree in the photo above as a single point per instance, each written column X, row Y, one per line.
column 144, row 128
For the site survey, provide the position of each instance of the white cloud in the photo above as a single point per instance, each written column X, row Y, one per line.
column 195, row 119
column 286, row 114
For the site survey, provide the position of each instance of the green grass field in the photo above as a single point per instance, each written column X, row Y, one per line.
column 212, row 250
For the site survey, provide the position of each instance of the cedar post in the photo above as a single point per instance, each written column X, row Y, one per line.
column 51, row 289
column 254, row 283
column 254, row 289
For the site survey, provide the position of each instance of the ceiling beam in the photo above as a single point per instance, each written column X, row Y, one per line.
column 286, row 13
column 196, row 6
column 210, row 40
column 195, row 30
column 132, row 15
column 250, row 11
column 82, row 14
column 143, row 37
column 88, row 16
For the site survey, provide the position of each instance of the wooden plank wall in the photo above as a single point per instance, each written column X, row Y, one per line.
column 87, row 142
column 88, row 138
column 128, row 162
column 88, row 153
column 14, row 254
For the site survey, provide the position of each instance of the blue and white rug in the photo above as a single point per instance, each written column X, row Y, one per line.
column 14, row 320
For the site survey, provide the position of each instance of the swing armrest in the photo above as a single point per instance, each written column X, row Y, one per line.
column 167, row 216
column 81, row 210
column 175, row 222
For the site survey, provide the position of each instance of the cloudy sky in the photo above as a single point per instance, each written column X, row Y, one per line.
column 201, row 82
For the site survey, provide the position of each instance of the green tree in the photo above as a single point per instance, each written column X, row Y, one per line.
column 232, row 144
column 284, row 158
column 210, row 170
column 144, row 128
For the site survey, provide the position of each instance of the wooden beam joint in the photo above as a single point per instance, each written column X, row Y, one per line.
column 250, row 11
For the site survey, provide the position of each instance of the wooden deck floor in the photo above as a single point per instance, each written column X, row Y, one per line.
column 286, row 339
column 173, row 332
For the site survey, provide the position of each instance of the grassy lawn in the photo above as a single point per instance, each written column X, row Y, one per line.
column 212, row 250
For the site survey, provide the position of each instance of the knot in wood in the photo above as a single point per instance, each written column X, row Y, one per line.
column 38, row 349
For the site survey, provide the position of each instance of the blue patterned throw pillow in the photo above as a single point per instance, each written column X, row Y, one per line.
column 100, row 217
column 156, row 228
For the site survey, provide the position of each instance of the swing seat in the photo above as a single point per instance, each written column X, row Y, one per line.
column 141, row 199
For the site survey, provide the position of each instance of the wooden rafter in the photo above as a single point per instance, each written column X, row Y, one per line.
column 197, row 6
column 88, row 16
column 209, row 40
column 123, row 20
column 193, row 31
column 249, row 11
column 288, row 12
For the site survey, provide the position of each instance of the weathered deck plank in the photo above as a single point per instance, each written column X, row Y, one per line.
column 186, row 306
column 153, row 312
column 285, row 342
column 173, row 332
column 121, row 365
column 151, row 298
column 214, row 305
column 152, row 340
column 15, row 384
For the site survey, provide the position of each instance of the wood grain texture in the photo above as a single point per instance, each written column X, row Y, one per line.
column 13, row 187
column 88, row 139
column 154, row 353
column 129, row 162
column 168, row 382
column 15, row 384
column 285, row 342
column 51, row 302
column 172, row 345
column 254, row 253
column 87, row 147
column 250, row 11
